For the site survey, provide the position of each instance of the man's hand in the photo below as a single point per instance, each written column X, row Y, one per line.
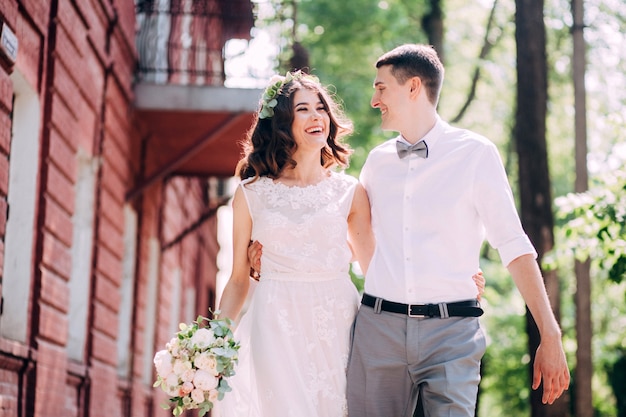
column 255, row 250
column 551, row 367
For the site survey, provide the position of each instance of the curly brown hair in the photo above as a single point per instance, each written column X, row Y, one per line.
column 269, row 145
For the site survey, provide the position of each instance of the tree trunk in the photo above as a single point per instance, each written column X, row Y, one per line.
column 432, row 22
column 584, row 368
column 534, row 180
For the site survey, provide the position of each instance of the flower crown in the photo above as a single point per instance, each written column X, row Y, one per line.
column 269, row 101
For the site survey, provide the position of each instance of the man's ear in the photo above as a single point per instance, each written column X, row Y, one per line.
column 415, row 85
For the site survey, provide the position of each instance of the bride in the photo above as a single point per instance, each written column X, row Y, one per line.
column 303, row 211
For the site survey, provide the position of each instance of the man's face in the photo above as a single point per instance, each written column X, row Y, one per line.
column 391, row 98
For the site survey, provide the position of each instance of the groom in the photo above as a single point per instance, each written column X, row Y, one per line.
column 435, row 192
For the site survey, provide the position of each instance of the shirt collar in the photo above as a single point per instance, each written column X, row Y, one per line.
column 432, row 136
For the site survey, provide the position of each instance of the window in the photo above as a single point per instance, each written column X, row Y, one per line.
column 127, row 292
column 23, row 172
column 154, row 258
column 82, row 250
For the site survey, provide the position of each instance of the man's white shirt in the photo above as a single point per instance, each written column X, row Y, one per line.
column 430, row 216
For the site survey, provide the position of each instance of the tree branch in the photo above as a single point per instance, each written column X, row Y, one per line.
column 484, row 51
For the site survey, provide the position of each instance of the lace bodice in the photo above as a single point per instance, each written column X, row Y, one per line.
column 302, row 229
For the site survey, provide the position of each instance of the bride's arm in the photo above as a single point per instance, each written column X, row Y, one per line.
column 236, row 289
column 360, row 235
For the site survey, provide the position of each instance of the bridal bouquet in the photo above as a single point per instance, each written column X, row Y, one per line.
column 194, row 366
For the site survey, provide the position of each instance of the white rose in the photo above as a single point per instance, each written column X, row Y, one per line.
column 174, row 346
column 207, row 362
column 163, row 363
column 197, row 395
column 204, row 380
column 180, row 367
column 171, row 385
column 187, row 375
column 213, row 394
column 173, row 341
column 202, row 338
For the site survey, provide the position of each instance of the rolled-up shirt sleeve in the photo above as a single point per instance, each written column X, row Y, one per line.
column 497, row 209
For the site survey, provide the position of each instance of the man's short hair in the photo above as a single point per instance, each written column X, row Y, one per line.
column 416, row 60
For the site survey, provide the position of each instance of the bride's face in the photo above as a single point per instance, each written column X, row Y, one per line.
column 310, row 127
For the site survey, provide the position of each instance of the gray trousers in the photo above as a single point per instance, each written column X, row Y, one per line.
column 396, row 358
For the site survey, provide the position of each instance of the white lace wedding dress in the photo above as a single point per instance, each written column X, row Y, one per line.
column 295, row 334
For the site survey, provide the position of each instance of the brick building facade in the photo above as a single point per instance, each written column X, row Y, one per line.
column 109, row 184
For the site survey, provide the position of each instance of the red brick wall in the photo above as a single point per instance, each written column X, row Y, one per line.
column 6, row 92
column 79, row 56
column 16, row 371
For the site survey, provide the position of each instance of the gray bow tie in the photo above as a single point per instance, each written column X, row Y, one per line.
column 420, row 149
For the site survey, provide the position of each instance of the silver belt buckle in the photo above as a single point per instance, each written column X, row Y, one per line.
column 414, row 315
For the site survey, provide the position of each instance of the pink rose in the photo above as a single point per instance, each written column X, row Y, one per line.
column 186, row 388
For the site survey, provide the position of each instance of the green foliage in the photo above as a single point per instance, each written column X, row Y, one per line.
column 594, row 226
column 609, row 328
column 617, row 377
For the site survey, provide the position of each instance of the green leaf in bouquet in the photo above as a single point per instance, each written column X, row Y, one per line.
column 223, row 387
column 219, row 331
column 206, row 406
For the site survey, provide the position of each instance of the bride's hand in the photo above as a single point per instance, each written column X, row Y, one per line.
column 479, row 280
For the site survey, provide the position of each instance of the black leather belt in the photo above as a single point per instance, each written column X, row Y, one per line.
column 469, row 308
